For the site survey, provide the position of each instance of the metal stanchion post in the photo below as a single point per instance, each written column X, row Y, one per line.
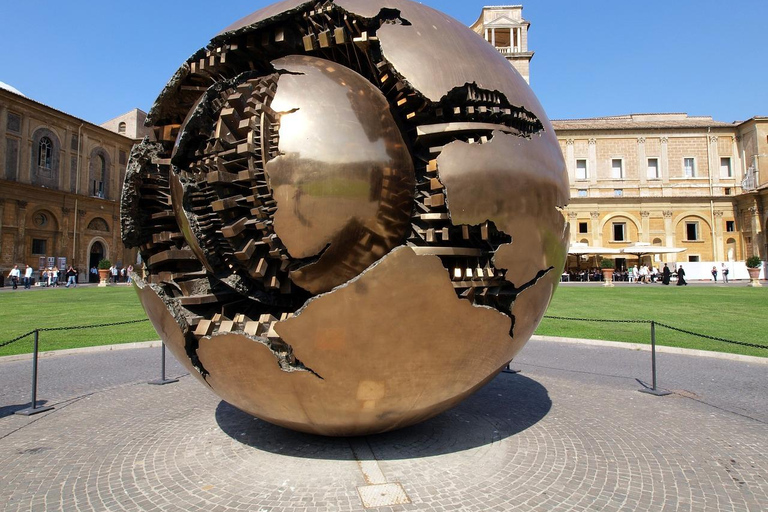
column 33, row 409
column 653, row 390
column 162, row 380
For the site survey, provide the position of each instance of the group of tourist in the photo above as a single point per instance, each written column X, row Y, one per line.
column 49, row 277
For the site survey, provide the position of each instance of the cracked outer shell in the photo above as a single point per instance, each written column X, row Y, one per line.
column 382, row 344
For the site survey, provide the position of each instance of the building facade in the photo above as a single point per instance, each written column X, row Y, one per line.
column 668, row 179
column 60, row 184
column 504, row 27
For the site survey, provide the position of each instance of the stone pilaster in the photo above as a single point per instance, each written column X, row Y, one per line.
column 714, row 159
column 664, row 160
column 570, row 160
column 718, row 243
column 645, row 226
column 592, row 161
column 642, row 164
column 21, row 234
column 597, row 235
column 669, row 232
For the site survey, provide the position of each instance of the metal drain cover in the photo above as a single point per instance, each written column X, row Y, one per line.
column 383, row 495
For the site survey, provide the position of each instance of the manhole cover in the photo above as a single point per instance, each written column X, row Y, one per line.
column 383, row 495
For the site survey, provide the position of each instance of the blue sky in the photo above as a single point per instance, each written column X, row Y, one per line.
column 97, row 59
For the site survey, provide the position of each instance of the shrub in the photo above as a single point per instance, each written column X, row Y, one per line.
column 606, row 263
column 105, row 264
column 754, row 262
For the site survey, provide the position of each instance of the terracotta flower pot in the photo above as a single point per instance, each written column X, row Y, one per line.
column 608, row 277
column 754, row 274
column 103, row 276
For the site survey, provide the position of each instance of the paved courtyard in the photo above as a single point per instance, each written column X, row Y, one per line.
column 570, row 432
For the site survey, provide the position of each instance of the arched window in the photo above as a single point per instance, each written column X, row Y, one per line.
column 98, row 181
column 45, row 154
column 121, row 128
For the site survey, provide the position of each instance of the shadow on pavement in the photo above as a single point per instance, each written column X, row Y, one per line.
column 9, row 410
column 507, row 405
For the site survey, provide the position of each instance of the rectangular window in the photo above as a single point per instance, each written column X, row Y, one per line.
column 581, row 170
column 727, row 191
column 619, row 231
column 122, row 157
column 653, row 168
column 583, row 228
column 725, row 168
column 38, row 246
column 693, row 259
column 691, row 231
column 618, row 192
column 11, row 159
column 689, row 166
column 617, row 169
column 730, row 226
column 74, row 143
column 13, row 123
column 582, row 192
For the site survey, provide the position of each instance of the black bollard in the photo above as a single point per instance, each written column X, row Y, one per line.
column 162, row 380
column 653, row 390
column 33, row 409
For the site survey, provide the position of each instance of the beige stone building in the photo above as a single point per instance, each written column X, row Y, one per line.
column 60, row 185
column 668, row 179
column 130, row 124
column 504, row 27
column 662, row 179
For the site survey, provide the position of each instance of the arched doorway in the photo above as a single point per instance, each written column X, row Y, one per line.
column 97, row 254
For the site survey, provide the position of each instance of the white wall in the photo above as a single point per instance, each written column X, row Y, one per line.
column 703, row 270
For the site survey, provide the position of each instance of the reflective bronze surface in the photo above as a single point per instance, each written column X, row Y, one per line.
column 351, row 218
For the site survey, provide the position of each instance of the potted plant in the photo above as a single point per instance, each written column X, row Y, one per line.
column 608, row 266
column 104, row 266
column 753, row 267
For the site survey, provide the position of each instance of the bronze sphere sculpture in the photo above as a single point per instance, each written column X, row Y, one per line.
column 350, row 217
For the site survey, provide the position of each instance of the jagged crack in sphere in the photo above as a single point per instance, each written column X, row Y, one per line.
column 350, row 214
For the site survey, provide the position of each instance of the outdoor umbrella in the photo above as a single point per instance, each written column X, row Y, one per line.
column 581, row 249
column 641, row 249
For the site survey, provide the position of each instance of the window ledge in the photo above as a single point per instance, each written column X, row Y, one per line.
column 693, row 241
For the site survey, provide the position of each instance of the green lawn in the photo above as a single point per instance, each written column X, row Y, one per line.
column 22, row 311
column 734, row 313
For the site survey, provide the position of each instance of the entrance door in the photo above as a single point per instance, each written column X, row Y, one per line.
column 97, row 254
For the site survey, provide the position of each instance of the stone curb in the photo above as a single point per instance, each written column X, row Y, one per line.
column 659, row 348
column 84, row 350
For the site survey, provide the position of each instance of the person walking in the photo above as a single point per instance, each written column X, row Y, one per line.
column 714, row 273
column 725, row 273
column 27, row 277
column 665, row 275
column 71, row 273
column 681, row 276
column 14, row 276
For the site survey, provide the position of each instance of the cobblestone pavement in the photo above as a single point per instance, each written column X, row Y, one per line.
column 554, row 437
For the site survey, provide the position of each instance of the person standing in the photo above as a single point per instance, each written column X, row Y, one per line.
column 71, row 273
column 27, row 277
column 665, row 275
column 14, row 276
column 714, row 273
column 725, row 273
column 681, row 276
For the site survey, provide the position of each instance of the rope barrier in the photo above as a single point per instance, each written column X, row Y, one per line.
column 30, row 333
column 705, row 336
column 92, row 326
column 714, row 338
column 14, row 340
